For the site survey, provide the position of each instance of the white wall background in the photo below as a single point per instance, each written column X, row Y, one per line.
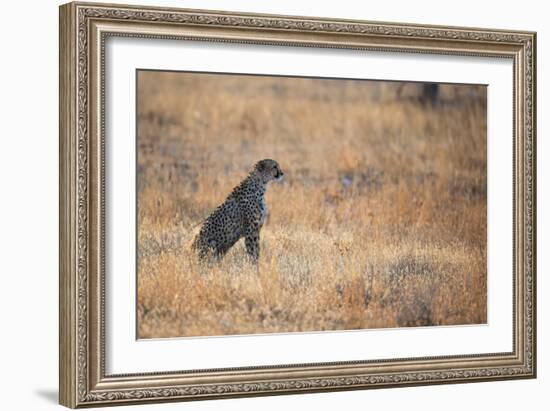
column 29, row 190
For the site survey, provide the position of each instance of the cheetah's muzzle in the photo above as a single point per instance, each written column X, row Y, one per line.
column 242, row 214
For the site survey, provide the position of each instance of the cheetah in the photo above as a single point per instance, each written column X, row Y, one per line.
column 242, row 214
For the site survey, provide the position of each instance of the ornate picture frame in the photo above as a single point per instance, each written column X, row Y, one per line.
column 84, row 29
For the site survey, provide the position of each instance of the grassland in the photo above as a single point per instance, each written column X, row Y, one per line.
column 380, row 222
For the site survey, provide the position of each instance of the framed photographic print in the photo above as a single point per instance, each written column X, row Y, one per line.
column 259, row 204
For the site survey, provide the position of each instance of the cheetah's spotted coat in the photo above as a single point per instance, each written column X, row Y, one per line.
column 242, row 214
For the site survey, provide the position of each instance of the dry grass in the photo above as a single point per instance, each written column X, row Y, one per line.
column 381, row 220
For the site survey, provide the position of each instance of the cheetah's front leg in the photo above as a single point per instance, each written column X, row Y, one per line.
column 252, row 242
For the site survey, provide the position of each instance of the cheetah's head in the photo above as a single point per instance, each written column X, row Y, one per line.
column 268, row 170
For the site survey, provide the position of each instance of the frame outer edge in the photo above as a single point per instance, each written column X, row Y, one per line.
column 68, row 361
column 534, row 199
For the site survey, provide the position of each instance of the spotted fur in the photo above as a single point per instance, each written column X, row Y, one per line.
column 241, row 215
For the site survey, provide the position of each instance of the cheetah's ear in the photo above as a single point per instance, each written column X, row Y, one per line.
column 260, row 166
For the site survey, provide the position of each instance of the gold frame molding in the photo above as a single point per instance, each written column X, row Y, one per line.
column 84, row 28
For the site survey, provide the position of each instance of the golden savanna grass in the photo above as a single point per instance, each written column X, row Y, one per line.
column 380, row 222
